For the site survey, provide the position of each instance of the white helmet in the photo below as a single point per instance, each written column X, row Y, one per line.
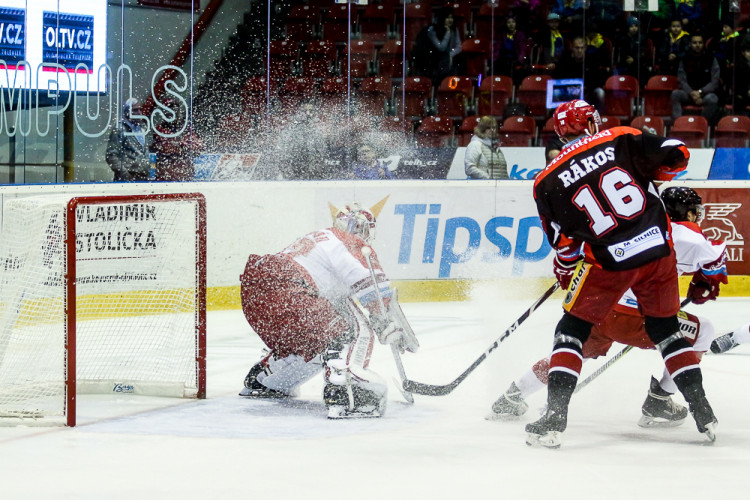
column 356, row 220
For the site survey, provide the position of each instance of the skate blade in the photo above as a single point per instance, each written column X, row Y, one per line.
column 710, row 431
column 501, row 417
column 651, row 422
column 551, row 440
column 342, row 412
column 256, row 394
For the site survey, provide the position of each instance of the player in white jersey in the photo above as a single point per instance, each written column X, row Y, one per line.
column 695, row 255
column 304, row 303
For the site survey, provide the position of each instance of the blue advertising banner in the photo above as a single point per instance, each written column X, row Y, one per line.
column 12, row 35
column 68, row 40
column 730, row 164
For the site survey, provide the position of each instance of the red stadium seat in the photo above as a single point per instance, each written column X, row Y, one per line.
column 391, row 59
column 454, row 96
column 652, row 122
column 732, row 132
column 295, row 91
column 494, row 94
column 466, row 129
column 547, row 133
column 414, row 94
column 434, row 132
column 621, row 96
column 692, row 130
column 373, row 94
column 533, row 94
column 332, row 94
column 518, row 131
column 256, row 95
column 609, row 122
column 375, row 20
column 657, row 96
column 418, row 15
column 336, row 22
column 476, row 53
column 318, row 59
column 362, row 54
column 283, row 56
column 302, row 23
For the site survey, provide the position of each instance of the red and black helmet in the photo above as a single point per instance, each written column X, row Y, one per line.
column 572, row 118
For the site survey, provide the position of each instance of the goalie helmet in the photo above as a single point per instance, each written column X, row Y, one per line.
column 678, row 201
column 356, row 220
column 572, row 119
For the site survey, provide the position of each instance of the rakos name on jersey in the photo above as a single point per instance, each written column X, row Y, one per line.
column 579, row 167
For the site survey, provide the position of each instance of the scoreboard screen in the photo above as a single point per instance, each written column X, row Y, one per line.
column 56, row 45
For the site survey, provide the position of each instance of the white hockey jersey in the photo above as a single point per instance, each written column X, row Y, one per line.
column 333, row 259
column 693, row 251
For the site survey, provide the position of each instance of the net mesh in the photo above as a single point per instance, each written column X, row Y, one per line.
column 136, row 300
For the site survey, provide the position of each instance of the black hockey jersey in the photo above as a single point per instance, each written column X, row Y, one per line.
column 599, row 192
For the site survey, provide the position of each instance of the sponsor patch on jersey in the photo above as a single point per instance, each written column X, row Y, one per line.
column 650, row 238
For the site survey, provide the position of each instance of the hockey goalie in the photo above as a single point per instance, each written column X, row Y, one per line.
column 318, row 306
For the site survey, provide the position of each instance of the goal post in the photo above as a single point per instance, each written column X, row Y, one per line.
column 103, row 294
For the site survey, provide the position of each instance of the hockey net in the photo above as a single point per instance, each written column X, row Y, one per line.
column 100, row 295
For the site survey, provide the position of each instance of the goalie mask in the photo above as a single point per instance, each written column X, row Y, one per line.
column 678, row 201
column 572, row 119
column 356, row 220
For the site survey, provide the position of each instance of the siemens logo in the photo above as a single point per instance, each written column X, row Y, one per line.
column 455, row 240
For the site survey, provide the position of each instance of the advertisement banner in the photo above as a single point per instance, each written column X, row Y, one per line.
column 731, row 164
column 451, row 232
column 12, row 35
column 68, row 40
column 727, row 219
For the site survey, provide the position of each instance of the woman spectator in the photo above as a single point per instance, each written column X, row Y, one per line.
column 511, row 52
column 436, row 47
column 483, row 159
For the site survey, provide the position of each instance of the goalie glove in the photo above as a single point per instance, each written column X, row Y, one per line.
column 387, row 330
column 393, row 328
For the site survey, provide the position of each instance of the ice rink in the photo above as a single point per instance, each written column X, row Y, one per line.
column 227, row 447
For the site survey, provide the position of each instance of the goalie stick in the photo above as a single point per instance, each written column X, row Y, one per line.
column 366, row 252
column 442, row 390
column 614, row 359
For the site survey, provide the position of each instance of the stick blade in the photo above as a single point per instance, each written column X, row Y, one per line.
column 427, row 389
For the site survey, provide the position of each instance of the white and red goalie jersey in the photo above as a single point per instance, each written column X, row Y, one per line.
column 333, row 260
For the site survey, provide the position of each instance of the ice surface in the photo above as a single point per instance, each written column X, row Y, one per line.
column 228, row 447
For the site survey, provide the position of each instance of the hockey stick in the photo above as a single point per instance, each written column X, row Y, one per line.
column 366, row 252
column 441, row 390
column 614, row 359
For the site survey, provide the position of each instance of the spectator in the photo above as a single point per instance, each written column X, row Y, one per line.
column 742, row 82
column 551, row 41
column 571, row 14
column 176, row 146
column 724, row 49
column 526, row 12
column 127, row 153
column 699, row 76
column 436, row 47
column 673, row 48
column 633, row 55
column 483, row 159
column 593, row 72
column 511, row 52
column 368, row 166
column 689, row 12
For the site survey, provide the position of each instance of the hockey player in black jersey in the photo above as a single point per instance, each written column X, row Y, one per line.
column 603, row 216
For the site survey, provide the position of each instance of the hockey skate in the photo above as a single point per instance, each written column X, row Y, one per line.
column 701, row 411
column 509, row 405
column 254, row 389
column 547, row 431
column 723, row 343
column 352, row 401
column 659, row 410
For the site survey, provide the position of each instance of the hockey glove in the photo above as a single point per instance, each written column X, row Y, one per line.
column 564, row 270
column 387, row 330
column 702, row 288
